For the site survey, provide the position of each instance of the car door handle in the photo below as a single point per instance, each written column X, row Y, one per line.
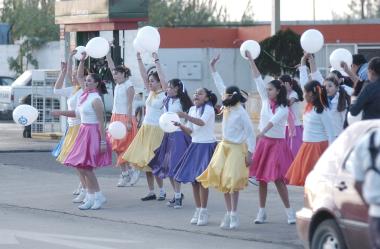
column 341, row 186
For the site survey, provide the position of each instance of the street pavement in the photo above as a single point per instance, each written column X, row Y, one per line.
column 36, row 209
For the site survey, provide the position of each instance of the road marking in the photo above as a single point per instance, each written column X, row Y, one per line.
column 9, row 237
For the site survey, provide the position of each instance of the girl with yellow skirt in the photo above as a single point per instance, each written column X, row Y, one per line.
column 141, row 151
column 72, row 93
column 228, row 168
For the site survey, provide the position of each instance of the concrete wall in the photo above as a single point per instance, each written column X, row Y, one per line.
column 48, row 57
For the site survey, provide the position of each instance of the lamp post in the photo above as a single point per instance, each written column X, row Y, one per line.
column 276, row 17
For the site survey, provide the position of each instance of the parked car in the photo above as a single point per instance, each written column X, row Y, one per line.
column 12, row 91
column 334, row 215
column 5, row 83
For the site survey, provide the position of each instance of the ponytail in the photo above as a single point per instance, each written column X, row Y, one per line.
column 344, row 100
column 320, row 100
column 282, row 96
column 184, row 98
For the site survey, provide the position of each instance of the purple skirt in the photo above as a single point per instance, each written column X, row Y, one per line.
column 195, row 160
column 86, row 149
column 295, row 142
column 170, row 152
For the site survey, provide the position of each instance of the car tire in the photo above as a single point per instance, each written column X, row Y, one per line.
column 328, row 235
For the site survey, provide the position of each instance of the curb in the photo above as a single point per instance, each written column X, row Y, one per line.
column 24, row 151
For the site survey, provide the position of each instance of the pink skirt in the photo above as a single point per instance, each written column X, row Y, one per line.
column 295, row 142
column 86, row 149
column 271, row 159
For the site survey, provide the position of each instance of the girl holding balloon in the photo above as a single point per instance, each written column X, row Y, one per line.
column 72, row 93
column 148, row 138
column 122, row 111
column 200, row 125
column 228, row 167
column 318, row 130
column 272, row 157
column 174, row 144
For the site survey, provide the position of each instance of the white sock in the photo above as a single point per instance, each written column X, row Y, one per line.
column 233, row 213
column 228, row 213
column 162, row 191
column 203, row 209
column 98, row 194
column 90, row 197
column 151, row 192
column 177, row 195
column 198, row 209
column 261, row 209
column 288, row 210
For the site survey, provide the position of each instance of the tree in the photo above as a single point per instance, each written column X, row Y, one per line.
column 363, row 9
column 32, row 23
column 280, row 53
column 172, row 13
column 247, row 17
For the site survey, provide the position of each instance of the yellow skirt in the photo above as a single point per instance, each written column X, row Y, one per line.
column 141, row 151
column 68, row 142
column 227, row 170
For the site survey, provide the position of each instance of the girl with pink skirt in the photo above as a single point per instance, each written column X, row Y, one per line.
column 272, row 157
column 92, row 148
column 295, row 97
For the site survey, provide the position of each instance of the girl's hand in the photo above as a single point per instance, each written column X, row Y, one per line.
column 56, row 113
column 248, row 159
column 178, row 124
column 248, row 54
column 63, row 66
column 260, row 135
column 84, row 54
column 345, row 67
column 103, row 147
column 155, row 56
column 138, row 55
column 182, row 114
column 214, row 61
column 73, row 53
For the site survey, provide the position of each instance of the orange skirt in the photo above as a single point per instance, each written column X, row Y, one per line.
column 121, row 145
column 306, row 158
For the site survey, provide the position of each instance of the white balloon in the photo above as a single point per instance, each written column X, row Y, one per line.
column 166, row 121
column 252, row 46
column 25, row 114
column 80, row 50
column 117, row 130
column 136, row 46
column 149, row 39
column 352, row 119
column 312, row 41
column 97, row 47
column 339, row 55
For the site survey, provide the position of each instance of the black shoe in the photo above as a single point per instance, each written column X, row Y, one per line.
column 171, row 203
column 149, row 197
column 161, row 197
column 178, row 203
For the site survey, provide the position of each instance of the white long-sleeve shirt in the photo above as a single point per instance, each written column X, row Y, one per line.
column 236, row 125
column 296, row 108
column 278, row 118
column 202, row 134
column 317, row 127
column 72, row 101
column 304, row 78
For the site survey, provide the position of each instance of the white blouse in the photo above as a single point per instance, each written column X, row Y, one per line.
column 154, row 108
column 318, row 127
column 296, row 107
column 86, row 111
column 72, row 102
column 202, row 134
column 236, row 125
column 278, row 118
column 120, row 100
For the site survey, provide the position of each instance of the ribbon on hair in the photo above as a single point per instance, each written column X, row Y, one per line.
column 183, row 86
column 85, row 94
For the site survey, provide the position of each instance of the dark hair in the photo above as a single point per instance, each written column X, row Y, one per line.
column 212, row 98
column 123, row 69
column 282, row 96
column 320, row 101
column 358, row 59
column 236, row 96
column 374, row 65
column 184, row 98
column 294, row 84
column 344, row 99
column 154, row 74
column 102, row 89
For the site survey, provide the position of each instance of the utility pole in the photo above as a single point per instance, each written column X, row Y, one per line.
column 276, row 17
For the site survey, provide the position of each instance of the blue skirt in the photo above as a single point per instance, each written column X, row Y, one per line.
column 167, row 156
column 195, row 160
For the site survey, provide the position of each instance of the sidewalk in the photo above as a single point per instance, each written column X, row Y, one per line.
column 11, row 140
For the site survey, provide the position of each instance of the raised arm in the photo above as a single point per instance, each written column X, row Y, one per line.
column 314, row 72
column 142, row 70
column 161, row 75
column 219, row 83
column 110, row 62
column 61, row 77
column 80, row 71
column 350, row 74
column 260, row 85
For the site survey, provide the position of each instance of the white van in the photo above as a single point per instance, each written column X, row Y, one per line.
column 11, row 94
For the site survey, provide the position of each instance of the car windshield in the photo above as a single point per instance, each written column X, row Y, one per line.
column 23, row 79
column 7, row 81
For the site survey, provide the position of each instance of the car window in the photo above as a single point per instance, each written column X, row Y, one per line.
column 5, row 81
